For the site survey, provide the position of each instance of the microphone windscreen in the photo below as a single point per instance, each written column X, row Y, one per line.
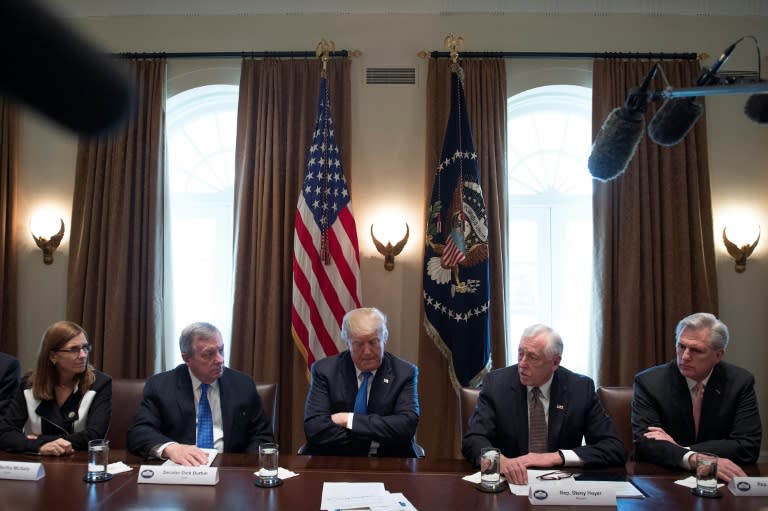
column 756, row 108
column 673, row 121
column 55, row 71
column 615, row 144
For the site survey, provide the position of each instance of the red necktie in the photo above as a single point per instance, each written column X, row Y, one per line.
column 697, row 399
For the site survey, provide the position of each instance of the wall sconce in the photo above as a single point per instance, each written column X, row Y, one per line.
column 389, row 252
column 43, row 228
column 740, row 254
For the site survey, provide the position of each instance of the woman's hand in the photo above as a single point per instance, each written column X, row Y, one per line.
column 58, row 447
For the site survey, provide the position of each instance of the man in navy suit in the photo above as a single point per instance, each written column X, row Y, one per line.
column 10, row 372
column 664, row 425
column 570, row 412
column 166, row 424
column 383, row 423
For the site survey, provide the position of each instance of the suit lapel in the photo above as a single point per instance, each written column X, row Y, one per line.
column 380, row 384
column 519, row 396
column 226, row 410
column 713, row 399
column 186, row 404
column 557, row 406
column 349, row 377
column 681, row 397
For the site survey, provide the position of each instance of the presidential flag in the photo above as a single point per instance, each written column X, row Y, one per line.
column 326, row 260
column 456, row 291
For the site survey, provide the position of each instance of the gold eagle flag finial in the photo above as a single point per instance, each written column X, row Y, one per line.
column 323, row 50
column 454, row 44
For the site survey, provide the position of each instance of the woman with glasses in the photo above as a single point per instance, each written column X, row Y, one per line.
column 64, row 403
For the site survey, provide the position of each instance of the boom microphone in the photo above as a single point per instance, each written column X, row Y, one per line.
column 756, row 108
column 617, row 140
column 55, row 71
column 676, row 117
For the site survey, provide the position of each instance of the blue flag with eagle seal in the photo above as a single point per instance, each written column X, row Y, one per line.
column 456, row 269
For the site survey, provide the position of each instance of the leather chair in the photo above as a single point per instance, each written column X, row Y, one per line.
column 467, row 403
column 126, row 396
column 617, row 401
column 268, row 394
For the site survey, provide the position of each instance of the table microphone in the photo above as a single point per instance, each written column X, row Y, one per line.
column 55, row 71
column 620, row 134
column 676, row 117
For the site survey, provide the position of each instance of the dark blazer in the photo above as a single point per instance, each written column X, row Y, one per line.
column 729, row 425
column 393, row 409
column 167, row 413
column 10, row 375
column 81, row 418
column 575, row 413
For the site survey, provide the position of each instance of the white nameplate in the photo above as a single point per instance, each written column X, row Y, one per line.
column 749, row 486
column 560, row 493
column 162, row 474
column 21, row 470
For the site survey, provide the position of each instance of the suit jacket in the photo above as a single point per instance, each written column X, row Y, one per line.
column 501, row 419
column 729, row 425
column 82, row 417
column 167, row 413
column 10, row 374
column 393, row 409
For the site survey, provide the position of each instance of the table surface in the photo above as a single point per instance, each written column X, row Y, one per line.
column 430, row 484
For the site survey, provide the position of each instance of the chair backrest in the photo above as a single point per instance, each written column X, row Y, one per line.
column 126, row 397
column 617, row 401
column 467, row 403
column 268, row 394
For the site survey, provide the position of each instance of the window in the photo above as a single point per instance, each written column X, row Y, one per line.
column 550, row 218
column 201, row 128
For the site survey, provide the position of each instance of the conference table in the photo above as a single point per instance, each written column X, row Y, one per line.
column 429, row 484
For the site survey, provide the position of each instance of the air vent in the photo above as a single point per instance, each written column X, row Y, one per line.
column 390, row 75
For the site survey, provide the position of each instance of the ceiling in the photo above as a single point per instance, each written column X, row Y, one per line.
column 98, row 8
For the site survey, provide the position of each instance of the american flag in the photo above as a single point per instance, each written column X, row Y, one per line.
column 326, row 260
column 453, row 253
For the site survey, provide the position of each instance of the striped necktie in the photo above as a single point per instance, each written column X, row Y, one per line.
column 204, row 420
column 361, row 400
column 537, row 423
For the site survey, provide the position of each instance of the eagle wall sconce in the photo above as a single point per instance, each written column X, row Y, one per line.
column 741, row 253
column 43, row 228
column 389, row 251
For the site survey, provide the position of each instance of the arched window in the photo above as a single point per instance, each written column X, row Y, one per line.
column 550, row 218
column 201, row 127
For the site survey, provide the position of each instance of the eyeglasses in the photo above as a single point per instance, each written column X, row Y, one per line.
column 554, row 476
column 75, row 350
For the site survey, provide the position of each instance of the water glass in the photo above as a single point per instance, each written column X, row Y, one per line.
column 98, row 460
column 706, row 474
column 489, row 467
column 269, row 454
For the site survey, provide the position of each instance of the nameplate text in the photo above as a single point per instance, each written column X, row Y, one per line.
column 21, row 470
column 749, row 486
column 162, row 474
column 560, row 493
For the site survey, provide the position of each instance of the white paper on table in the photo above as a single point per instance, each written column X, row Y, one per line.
column 118, row 467
column 282, row 473
column 393, row 502
column 351, row 495
column 690, row 482
column 211, row 456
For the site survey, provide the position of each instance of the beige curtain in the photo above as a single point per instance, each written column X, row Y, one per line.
column 654, row 252
column 116, row 244
column 486, row 95
column 276, row 116
column 9, row 163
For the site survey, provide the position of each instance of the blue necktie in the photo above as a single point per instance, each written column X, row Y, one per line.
column 204, row 420
column 361, row 400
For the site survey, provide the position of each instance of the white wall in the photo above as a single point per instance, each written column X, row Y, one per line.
column 388, row 140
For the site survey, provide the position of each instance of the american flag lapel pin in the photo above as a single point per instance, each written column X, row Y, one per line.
column 386, row 380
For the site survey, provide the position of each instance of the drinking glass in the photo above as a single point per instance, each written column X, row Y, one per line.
column 706, row 474
column 490, row 477
column 269, row 454
column 98, row 460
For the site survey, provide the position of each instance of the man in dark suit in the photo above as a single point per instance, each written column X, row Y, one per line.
column 10, row 373
column 170, row 423
column 339, row 419
column 665, row 428
column 537, row 413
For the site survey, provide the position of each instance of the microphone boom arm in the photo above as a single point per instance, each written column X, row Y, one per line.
column 711, row 90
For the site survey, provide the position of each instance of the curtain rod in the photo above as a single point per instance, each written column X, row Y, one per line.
column 564, row 55
column 231, row 54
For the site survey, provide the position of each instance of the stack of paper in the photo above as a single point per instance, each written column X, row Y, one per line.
column 373, row 496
